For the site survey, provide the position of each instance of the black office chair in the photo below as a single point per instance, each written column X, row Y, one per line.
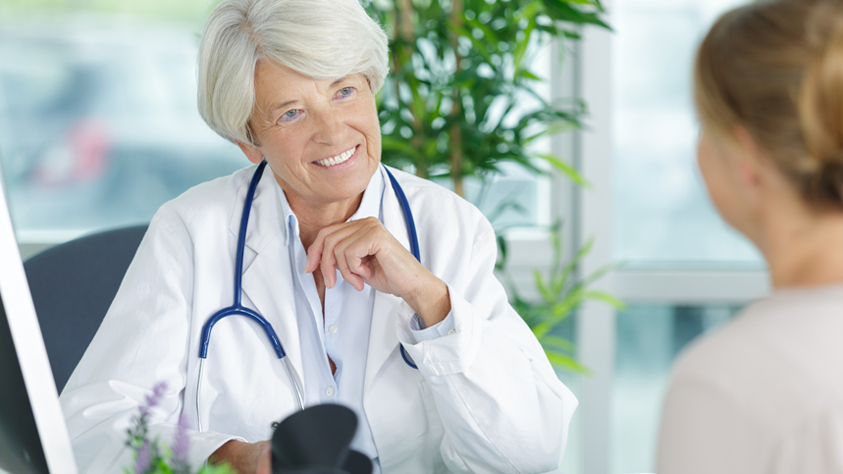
column 73, row 285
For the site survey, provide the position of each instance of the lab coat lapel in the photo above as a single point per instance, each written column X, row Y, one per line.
column 383, row 338
column 267, row 280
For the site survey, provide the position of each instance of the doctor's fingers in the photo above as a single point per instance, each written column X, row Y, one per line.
column 317, row 249
column 348, row 253
column 354, row 248
column 381, row 261
column 326, row 242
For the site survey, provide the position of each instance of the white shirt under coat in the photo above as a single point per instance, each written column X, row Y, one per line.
column 484, row 397
column 342, row 332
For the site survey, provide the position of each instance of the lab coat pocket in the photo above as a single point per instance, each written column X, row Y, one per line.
column 435, row 431
column 544, row 373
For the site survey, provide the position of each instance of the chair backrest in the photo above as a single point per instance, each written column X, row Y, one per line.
column 73, row 285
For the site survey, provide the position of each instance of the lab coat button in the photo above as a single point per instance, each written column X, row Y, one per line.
column 330, row 392
column 274, row 425
column 452, row 331
column 333, row 328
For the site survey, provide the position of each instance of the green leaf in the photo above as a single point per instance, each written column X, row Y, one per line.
column 565, row 361
column 542, row 287
column 606, row 298
column 566, row 169
column 559, row 343
column 521, row 46
column 478, row 45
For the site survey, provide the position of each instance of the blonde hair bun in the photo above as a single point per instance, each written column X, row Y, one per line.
column 776, row 68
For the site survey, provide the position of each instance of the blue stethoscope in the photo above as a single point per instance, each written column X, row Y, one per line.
column 237, row 309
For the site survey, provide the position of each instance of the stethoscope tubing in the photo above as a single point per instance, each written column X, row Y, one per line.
column 237, row 309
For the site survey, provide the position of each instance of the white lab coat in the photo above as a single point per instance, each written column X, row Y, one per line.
column 485, row 399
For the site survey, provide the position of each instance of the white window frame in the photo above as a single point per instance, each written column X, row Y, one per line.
column 596, row 324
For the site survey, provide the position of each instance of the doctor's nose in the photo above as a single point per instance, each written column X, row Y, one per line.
column 329, row 129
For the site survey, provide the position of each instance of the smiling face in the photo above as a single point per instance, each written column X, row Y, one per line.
column 321, row 138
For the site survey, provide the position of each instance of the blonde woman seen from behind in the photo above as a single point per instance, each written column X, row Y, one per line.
column 765, row 393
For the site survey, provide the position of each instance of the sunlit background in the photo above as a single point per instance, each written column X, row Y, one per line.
column 99, row 127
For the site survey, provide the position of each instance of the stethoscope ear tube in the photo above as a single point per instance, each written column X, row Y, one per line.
column 237, row 309
column 413, row 237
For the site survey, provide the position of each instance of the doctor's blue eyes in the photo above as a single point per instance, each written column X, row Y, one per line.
column 289, row 115
column 344, row 92
column 294, row 114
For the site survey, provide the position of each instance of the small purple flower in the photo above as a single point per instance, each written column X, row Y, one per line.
column 153, row 399
column 181, row 445
column 142, row 463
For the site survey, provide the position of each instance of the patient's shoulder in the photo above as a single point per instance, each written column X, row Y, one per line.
column 778, row 358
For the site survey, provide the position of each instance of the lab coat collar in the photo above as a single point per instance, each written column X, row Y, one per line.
column 266, row 217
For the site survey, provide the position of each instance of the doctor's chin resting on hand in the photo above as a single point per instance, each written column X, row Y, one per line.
column 378, row 284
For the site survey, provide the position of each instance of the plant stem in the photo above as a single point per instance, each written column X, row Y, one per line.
column 404, row 30
column 456, row 131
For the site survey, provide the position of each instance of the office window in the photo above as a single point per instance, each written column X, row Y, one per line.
column 662, row 214
column 663, row 219
column 98, row 120
column 682, row 270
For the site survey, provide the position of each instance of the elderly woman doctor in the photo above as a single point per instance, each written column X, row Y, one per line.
column 443, row 374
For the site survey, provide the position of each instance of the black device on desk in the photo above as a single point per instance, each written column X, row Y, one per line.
column 33, row 435
column 317, row 440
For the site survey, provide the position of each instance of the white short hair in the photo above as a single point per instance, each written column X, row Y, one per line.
column 322, row 39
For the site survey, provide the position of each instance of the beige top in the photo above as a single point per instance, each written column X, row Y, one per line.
column 762, row 395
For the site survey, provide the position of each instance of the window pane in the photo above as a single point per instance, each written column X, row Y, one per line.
column 648, row 339
column 98, row 121
column 662, row 213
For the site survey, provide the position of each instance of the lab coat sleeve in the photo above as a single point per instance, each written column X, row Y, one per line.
column 500, row 402
column 142, row 341
column 422, row 333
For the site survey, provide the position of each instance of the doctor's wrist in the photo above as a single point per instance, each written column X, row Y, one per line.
column 432, row 302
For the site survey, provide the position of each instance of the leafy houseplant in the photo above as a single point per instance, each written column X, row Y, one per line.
column 561, row 293
column 454, row 102
column 460, row 100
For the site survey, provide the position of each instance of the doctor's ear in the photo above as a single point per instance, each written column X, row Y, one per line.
column 253, row 153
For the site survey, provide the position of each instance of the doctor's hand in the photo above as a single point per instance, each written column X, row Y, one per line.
column 245, row 458
column 366, row 253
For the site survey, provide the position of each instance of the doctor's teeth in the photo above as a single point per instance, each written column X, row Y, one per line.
column 335, row 160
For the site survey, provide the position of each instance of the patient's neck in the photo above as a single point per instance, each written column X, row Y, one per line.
column 804, row 249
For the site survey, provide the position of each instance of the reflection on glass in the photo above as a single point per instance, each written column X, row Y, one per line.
column 98, row 121
column 662, row 213
column 648, row 339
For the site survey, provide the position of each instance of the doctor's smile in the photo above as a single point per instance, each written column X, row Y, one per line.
column 338, row 159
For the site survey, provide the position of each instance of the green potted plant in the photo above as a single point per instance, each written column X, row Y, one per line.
column 460, row 100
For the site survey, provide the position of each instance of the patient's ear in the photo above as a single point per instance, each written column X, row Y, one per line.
column 751, row 159
column 253, row 153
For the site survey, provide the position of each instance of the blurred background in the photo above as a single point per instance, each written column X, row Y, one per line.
column 99, row 127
